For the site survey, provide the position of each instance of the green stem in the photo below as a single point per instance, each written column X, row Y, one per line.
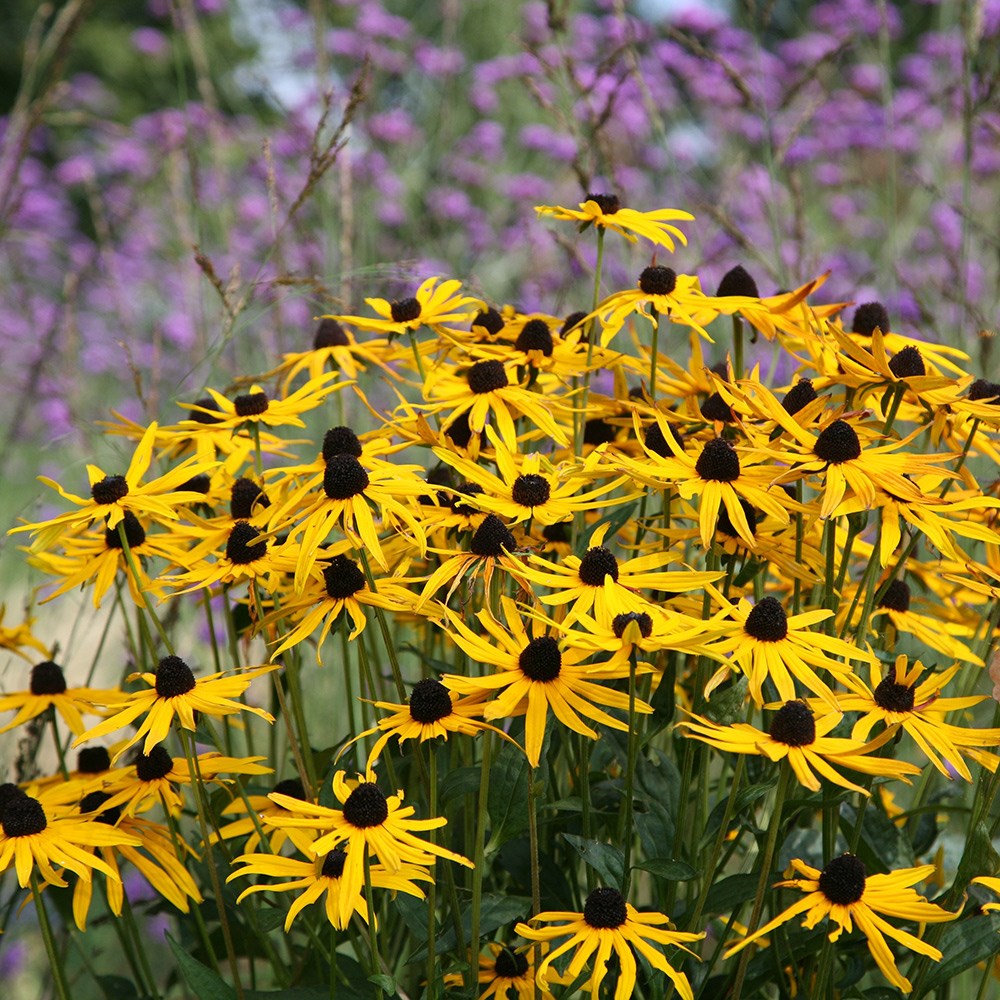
column 372, row 931
column 654, row 355
column 55, row 959
column 625, row 821
column 767, row 859
column 475, row 944
column 146, row 606
column 737, row 346
column 536, row 884
column 432, row 980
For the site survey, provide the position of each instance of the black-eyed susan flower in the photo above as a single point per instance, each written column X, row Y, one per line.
column 535, row 674
column 508, row 973
column 663, row 292
column 97, row 557
column 898, row 697
column 434, row 304
column 993, row 884
column 798, row 736
column 34, row 837
column 771, row 646
column 605, row 211
column 609, row 926
column 251, row 826
column 530, row 487
column 336, row 584
column 173, row 692
column 370, row 822
column 717, row 476
column 485, row 390
column 599, row 580
column 324, row 876
column 256, row 407
column 159, row 777
column 112, row 495
column 431, row 711
column 19, row 638
column 47, row 689
column 155, row 858
column 845, row 893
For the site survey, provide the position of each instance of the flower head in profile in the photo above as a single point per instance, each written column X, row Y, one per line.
column 845, row 893
column 324, row 876
column 434, row 303
column 605, row 211
column 609, row 925
column 173, row 691
column 508, row 973
column 112, row 495
column 371, row 823
column 797, row 736
column 18, row 638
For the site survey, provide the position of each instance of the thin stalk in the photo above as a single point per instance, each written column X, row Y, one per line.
column 480, row 853
column 737, row 346
column 145, row 607
column 536, row 884
column 763, row 885
column 625, row 821
column 432, row 981
column 55, row 959
column 654, row 355
column 372, row 931
column 390, row 647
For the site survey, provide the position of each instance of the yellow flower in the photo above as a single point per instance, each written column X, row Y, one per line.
column 797, row 736
column 433, row 305
column 17, row 638
column 174, row 691
column 992, row 884
column 608, row 924
column 606, row 212
column 850, row 897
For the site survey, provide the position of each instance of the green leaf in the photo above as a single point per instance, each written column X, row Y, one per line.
column 979, row 855
column 615, row 520
column 270, row 917
column 881, row 993
column 745, row 798
column 669, row 868
column 201, row 980
column 386, row 983
column 726, row 895
column 461, row 781
column 607, row 861
column 881, row 840
column 963, row 945
column 495, row 911
column 118, row 988
column 508, row 796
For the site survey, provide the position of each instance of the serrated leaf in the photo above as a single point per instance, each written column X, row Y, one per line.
column 964, row 944
column 203, row 982
column 607, row 861
column 726, row 895
column 670, row 868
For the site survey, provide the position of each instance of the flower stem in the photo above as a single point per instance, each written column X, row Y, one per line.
column 372, row 930
column 55, row 959
column 625, row 820
column 475, row 944
column 142, row 604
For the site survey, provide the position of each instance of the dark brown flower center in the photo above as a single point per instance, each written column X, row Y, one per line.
column 658, row 280
column 716, row 408
column 535, row 335
column 605, row 909
column 510, row 964
column 656, row 440
column 800, row 394
column 982, row 389
column 868, row 316
column 404, row 310
column 794, row 725
column 718, row 462
column 245, row 498
column 341, row 441
column 201, row 417
column 344, row 477
column 622, row 622
column 253, row 404
column 842, row 881
column 573, row 320
column 459, row 430
column 557, row 532
column 541, row 659
column 343, row 577
column 110, row 489
column 135, row 534
column 240, row 549
column 725, row 523
column 490, row 320
column 458, row 503
column 597, row 563
column 366, row 806
column 94, row 802
column 291, row 787
column 333, row 864
column 908, row 363
column 893, row 697
column 23, row 816
column 737, row 281
column 767, row 621
column 838, row 443
column 896, row 596
column 429, row 701
column 173, row 677
column 154, row 765
column 492, row 537
column 93, row 760
column 47, row 678
column 329, row 333
column 486, row 376
column 599, row 431
column 530, row 490
column 607, row 203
